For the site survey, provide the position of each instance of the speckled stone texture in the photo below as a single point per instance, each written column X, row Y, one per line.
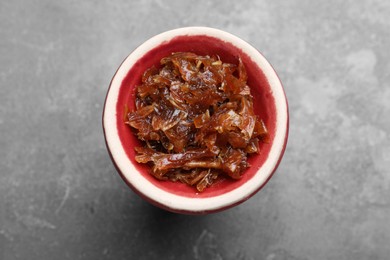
column 61, row 198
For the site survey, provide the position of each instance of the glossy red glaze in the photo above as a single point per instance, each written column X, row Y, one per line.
column 264, row 105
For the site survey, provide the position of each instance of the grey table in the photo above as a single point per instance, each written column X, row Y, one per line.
column 61, row 198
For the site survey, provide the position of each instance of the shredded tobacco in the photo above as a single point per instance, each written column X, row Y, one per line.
column 195, row 116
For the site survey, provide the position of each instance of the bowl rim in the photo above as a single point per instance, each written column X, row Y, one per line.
column 174, row 202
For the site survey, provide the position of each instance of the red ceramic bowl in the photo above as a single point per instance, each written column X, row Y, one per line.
column 269, row 103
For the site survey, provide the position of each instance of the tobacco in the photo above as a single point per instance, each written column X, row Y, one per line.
column 195, row 117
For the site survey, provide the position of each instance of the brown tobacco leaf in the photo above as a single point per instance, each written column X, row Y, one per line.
column 196, row 116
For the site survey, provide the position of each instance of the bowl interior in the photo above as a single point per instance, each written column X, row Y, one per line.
column 264, row 106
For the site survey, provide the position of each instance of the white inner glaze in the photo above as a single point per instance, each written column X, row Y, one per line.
column 171, row 200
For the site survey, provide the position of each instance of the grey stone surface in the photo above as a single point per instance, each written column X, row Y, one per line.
column 61, row 198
